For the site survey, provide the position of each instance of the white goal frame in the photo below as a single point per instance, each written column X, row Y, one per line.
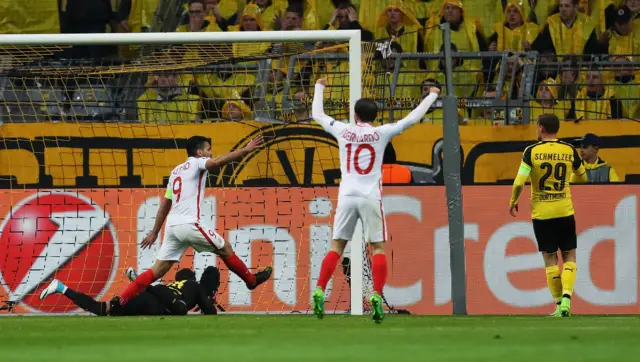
column 355, row 82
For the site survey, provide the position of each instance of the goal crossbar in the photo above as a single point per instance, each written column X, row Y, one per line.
column 178, row 37
column 353, row 37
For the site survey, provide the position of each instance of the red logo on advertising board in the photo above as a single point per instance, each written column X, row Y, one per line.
column 58, row 235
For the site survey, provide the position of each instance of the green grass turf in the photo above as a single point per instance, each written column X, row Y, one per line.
column 240, row 338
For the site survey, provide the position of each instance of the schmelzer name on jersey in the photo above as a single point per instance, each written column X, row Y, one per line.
column 554, row 157
column 552, row 197
column 363, row 138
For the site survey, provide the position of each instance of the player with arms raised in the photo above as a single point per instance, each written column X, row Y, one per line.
column 550, row 163
column 181, row 208
column 360, row 197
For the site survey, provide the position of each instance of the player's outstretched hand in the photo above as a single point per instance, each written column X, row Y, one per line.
column 322, row 81
column 149, row 240
column 255, row 143
column 513, row 209
column 435, row 90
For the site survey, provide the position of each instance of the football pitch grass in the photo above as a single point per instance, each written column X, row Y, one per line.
column 240, row 338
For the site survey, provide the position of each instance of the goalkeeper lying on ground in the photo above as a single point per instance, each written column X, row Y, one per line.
column 176, row 298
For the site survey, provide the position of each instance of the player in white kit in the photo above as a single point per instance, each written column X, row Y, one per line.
column 181, row 208
column 360, row 197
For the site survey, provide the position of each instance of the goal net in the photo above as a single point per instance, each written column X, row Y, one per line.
column 88, row 144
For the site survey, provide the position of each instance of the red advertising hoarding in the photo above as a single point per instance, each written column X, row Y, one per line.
column 87, row 238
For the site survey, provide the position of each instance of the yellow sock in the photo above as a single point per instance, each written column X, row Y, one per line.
column 569, row 270
column 554, row 282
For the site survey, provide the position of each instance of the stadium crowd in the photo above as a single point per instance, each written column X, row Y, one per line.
column 584, row 70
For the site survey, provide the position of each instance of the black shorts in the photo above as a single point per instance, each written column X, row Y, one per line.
column 554, row 234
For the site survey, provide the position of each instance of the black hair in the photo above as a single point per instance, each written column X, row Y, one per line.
column 341, row 4
column 196, row 2
column 432, row 80
column 196, row 143
column 550, row 123
column 296, row 8
column 366, row 109
column 344, row 4
column 210, row 280
column 185, row 274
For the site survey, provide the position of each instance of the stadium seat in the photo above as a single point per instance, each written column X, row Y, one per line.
column 92, row 103
column 23, row 106
column 54, row 100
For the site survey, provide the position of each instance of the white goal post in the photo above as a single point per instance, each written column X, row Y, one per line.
column 355, row 81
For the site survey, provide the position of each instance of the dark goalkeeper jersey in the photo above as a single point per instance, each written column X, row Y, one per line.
column 193, row 295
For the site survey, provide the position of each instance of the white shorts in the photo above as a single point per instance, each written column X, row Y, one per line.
column 369, row 211
column 178, row 238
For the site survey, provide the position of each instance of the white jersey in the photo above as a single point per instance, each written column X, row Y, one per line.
column 186, row 190
column 362, row 147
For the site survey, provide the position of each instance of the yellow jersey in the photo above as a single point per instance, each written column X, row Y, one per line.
column 550, row 165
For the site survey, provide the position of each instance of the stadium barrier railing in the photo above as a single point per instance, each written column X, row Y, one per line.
column 494, row 88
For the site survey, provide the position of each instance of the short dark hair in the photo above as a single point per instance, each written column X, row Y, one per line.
column 210, row 280
column 296, row 8
column 432, row 80
column 196, row 143
column 550, row 123
column 346, row 5
column 196, row 2
column 185, row 274
column 366, row 109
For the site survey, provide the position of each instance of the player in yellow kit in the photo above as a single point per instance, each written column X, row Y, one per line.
column 550, row 163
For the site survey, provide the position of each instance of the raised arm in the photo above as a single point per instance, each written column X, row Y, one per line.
column 317, row 108
column 579, row 175
column 255, row 144
column 416, row 115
